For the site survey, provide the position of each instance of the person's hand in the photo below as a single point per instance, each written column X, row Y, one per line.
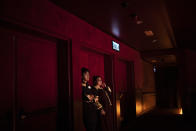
column 109, row 89
column 96, row 99
column 103, row 85
column 90, row 97
column 103, row 112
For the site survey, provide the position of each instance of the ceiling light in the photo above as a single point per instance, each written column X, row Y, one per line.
column 148, row 33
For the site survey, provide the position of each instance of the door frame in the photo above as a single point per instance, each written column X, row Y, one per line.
column 131, row 83
column 110, row 56
column 61, row 41
column 65, row 100
column 130, row 88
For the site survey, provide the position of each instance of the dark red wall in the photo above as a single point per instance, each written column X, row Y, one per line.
column 46, row 17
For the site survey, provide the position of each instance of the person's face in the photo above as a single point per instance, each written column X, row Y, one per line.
column 86, row 76
column 99, row 81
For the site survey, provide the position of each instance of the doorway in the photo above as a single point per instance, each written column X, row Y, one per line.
column 166, row 85
column 125, row 93
column 98, row 63
column 30, row 82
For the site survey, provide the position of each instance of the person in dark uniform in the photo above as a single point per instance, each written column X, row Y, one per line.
column 90, row 109
column 103, row 92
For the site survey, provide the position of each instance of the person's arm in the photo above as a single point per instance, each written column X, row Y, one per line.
column 107, row 88
column 108, row 94
column 87, row 92
column 102, row 102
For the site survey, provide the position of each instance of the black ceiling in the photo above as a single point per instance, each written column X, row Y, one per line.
column 183, row 19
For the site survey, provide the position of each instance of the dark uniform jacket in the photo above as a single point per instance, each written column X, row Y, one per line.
column 90, row 116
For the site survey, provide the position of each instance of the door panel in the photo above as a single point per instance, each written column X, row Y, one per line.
column 29, row 68
column 94, row 61
column 102, row 65
column 122, row 76
column 36, row 84
column 6, row 80
column 121, row 91
column 108, row 74
column 125, row 93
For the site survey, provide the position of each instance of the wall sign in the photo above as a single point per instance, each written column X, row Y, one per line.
column 115, row 46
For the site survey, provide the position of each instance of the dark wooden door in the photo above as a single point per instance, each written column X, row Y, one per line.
column 36, row 87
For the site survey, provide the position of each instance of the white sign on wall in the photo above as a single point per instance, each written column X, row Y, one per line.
column 115, row 46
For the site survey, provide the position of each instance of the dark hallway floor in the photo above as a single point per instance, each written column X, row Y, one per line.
column 161, row 120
